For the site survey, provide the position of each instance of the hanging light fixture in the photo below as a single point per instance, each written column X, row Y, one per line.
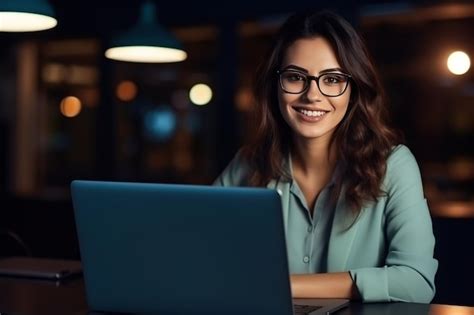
column 26, row 16
column 147, row 41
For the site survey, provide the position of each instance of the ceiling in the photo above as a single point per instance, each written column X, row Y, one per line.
column 96, row 17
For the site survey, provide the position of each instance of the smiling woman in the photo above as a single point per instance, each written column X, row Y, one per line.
column 351, row 194
column 302, row 105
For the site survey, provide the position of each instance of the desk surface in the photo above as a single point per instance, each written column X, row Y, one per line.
column 28, row 297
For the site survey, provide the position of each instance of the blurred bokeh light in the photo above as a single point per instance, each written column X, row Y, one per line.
column 160, row 123
column 200, row 94
column 458, row 62
column 70, row 106
column 126, row 91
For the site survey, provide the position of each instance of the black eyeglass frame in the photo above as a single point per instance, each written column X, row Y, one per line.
column 316, row 79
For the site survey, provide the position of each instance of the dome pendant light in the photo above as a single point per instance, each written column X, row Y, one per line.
column 26, row 16
column 147, row 41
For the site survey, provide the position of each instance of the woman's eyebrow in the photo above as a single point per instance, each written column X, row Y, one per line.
column 293, row 67
column 331, row 70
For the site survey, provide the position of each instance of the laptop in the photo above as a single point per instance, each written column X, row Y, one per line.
column 184, row 249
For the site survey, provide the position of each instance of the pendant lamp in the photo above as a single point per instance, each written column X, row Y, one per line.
column 26, row 16
column 146, row 42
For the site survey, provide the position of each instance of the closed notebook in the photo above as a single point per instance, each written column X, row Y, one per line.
column 39, row 268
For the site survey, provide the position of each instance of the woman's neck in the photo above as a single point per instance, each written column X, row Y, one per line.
column 314, row 156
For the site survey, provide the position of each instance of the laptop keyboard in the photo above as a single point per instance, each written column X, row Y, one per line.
column 305, row 309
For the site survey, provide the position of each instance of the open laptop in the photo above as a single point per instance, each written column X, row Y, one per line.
column 177, row 249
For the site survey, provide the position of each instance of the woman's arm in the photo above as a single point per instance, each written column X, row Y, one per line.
column 324, row 285
column 409, row 271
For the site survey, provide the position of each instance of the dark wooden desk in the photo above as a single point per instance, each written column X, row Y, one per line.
column 27, row 297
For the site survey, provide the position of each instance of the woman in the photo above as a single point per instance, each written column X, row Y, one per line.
column 356, row 221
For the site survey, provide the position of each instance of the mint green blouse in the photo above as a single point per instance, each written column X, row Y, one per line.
column 388, row 251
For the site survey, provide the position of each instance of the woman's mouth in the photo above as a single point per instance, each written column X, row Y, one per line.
column 311, row 115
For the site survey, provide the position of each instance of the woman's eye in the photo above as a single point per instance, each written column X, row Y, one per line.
column 295, row 77
column 334, row 79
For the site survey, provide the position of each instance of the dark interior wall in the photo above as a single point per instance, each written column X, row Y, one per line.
column 455, row 277
column 38, row 228
column 7, row 101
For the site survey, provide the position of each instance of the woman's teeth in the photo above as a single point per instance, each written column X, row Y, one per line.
column 312, row 113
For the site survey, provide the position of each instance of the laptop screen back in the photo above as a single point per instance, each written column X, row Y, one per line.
column 182, row 248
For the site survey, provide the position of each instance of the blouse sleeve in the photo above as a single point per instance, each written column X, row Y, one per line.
column 409, row 271
column 235, row 174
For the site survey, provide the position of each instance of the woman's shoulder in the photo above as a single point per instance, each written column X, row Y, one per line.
column 401, row 158
column 236, row 172
column 402, row 169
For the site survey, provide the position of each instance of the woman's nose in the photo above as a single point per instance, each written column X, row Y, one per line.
column 313, row 93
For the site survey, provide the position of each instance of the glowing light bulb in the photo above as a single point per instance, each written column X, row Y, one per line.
column 25, row 22
column 458, row 62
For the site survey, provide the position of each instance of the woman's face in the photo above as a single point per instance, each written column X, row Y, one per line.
column 310, row 114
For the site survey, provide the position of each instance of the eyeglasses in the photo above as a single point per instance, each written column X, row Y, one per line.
column 330, row 84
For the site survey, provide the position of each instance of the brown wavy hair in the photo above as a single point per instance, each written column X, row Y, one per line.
column 363, row 139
